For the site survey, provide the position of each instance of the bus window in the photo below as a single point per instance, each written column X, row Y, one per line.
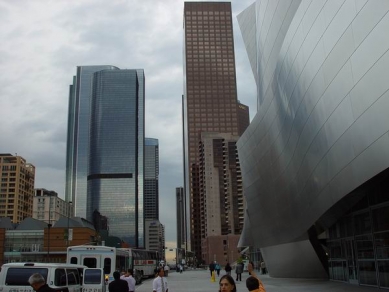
column 60, row 277
column 107, row 266
column 73, row 260
column 90, row 262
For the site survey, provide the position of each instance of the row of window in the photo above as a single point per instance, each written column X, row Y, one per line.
column 211, row 62
column 201, row 17
column 8, row 167
column 188, row 12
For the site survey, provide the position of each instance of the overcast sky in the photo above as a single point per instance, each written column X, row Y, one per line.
column 42, row 42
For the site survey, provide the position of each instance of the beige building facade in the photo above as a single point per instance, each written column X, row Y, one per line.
column 221, row 192
column 49, row 208
column 17, row 187
column 155, row 236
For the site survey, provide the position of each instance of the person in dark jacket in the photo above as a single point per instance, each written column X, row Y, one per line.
column 117, row 285
column 38, row 283
column 228, row 269
column 211, row 267
column 239, row 271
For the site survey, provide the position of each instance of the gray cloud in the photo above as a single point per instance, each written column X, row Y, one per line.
column 43, row 42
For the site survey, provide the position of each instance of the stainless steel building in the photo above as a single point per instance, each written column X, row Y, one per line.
column 315, row 157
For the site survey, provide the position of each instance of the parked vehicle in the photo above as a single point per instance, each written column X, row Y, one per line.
column 111, row 259
column 62, row 277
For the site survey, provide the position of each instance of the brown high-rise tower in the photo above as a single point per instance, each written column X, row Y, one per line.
column 210, row 99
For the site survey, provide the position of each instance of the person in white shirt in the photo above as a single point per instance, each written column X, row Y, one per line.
column 160, row 282
column 130, row 280
column 166, row 269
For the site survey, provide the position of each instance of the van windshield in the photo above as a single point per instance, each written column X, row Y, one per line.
column 92, row 276
column 19, row 276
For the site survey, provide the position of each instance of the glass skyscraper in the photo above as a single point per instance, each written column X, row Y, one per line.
column 113, row 148
column 78, row 137
column 151, row 189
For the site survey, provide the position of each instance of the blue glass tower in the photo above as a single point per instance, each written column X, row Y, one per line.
column 78, row 137
column 115, row 152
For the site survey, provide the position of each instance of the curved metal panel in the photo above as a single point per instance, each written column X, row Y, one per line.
column 322, row 125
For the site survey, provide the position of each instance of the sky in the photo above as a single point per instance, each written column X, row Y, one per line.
column 42, row 43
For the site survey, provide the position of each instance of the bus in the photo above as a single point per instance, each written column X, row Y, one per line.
column 111, row 259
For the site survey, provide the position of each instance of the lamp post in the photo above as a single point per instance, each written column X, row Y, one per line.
column 48, row 232
column 69, row 210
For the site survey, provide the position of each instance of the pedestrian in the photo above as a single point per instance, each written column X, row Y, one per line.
column 38, row 283
column 228, row 269
column 227, row 284
column 239, row 271
column 217, row 268
column 263, row 268
column 211, row 267
column 253, row 283
column 166, row 270
column 252, row 263
column 128, row 277
column 181, row 268
column 117, row 285
column 160, row 282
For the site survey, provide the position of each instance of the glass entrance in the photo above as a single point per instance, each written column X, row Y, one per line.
column 349, row 249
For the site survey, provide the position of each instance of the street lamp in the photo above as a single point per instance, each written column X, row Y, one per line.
column 48, row 231
column 69, row 210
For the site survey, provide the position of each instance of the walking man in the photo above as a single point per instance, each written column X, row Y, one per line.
column 128, row 277
column 239, row 271
column 160, row 282
column 117, row 285
column 211, row 267
column 263, row 268
column 166, row 269
column 38, row 283
column 217, row 268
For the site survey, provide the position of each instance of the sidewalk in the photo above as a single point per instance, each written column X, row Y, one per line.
column 200, row 280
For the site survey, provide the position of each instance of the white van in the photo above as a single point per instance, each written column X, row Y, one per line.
column 61, row 277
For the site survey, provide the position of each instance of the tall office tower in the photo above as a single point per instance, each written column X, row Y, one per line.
column 78, row 137
column 210, row 97
column 105, row 149
column 115, row 153
column 151, row 189
column 49, row 208
column 180, row 217
column 17, row 187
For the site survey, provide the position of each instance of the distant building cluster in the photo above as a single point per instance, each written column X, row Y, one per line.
column 112, row 170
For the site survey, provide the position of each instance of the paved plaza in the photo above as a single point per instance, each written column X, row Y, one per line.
column 199, row 280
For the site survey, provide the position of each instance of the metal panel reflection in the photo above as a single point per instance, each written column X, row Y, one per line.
column 322, row 125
